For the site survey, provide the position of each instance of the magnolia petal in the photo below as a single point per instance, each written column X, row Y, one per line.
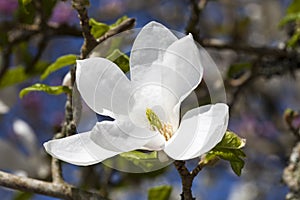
column 121, row 135
column 212, row 77
column 103, row 86
column 156, row 144
column 149, row 46
column 171, row 79
column 217, row 134
column 107, row 139
column 78, row 149
column 184, row 58
column 200, row 130
column 26, row 136
column 155, row 97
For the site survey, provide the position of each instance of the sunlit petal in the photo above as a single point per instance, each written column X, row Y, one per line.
column 149, row 45
column 183, row 57
column 78, row 149
column 103, row 86
column 155, row 97
column 121, row 135
column 157, row 143
column 107, row 139
column 200, row 130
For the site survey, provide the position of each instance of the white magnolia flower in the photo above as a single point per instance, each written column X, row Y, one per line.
column 164, row 71
column 34, row 164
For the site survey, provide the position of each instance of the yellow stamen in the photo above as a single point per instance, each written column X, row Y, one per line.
column 165, row 129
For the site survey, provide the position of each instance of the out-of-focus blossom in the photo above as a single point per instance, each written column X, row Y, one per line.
column 8, row 97
column 111, row 8
column 251, row 124
column 34, row 164
column 7, row 7
column 245, row 191
column 63, row 13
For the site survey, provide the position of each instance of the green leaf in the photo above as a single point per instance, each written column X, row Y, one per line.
column 289, row 18
column 294, row 7
column 294, row 39
column 60, row 62
column 54, row 90
column 139, row 155
column 23, row 196
column 18, row 74
column 26, row 12
column 143, row 160
column 237, row 166
column 237, row 69
column 229, row 149
column 231, row 141
column 13, row 76
column 23, row 4
column 98, row 28
column 162, row 192
column 119, row 59
column 118, row 22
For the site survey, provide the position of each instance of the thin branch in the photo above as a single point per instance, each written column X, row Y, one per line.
column 56, row 171
column 186, row 180
column 42, row 44
column 58, row 190
column 262, row 51
column 193, row 23
column 125, row 25
column 89, row 40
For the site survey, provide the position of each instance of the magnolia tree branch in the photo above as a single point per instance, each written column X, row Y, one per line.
column 58, row 190
column 89, row 40
column 187, row 176
column 193, row 22
column 262, row 51
column 125, row 25
column 186, row 180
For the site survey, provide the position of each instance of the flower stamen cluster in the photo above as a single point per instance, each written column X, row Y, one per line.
column 165, row 129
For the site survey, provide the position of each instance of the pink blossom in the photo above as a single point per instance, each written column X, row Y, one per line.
column 7, row 7
column 63, row 13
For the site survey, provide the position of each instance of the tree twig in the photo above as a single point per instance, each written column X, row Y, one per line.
column 186, row 180
column 89, row 41
column 125, row 25
column 59, row 190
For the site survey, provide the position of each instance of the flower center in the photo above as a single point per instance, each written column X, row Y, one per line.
column 165, row 129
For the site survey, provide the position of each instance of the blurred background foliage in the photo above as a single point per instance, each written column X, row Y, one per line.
column 254, row 43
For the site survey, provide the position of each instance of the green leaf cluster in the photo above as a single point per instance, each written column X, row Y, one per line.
column 13, row 76
column 120, row 59
column 60, row 62
column 98, row 29
column 292, row 15
column 54, row 90
column 26, row 11
column 143, row 160
column 229, row 149
column 19, row 74
column 162, row 192
column 236, row 69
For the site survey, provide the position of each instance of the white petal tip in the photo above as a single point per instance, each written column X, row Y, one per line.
column 153, row 24
column 190, row 35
